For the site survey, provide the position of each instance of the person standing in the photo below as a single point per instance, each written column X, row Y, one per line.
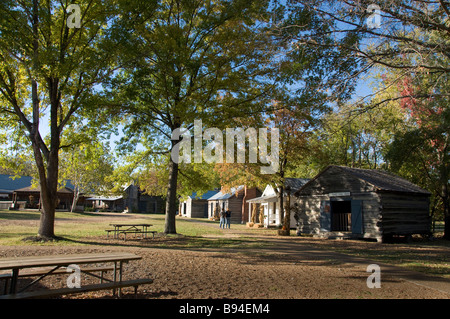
column 222, row 219
column 228, row 218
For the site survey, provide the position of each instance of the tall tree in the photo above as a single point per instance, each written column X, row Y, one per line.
column 51, row 60
column 308, row 82
column 294, row 123
column 190, row 60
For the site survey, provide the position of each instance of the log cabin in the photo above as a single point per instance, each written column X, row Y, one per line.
column 344, row 202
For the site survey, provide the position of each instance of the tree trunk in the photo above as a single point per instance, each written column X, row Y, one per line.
column 281, row 215
column 48, row 204
column 49, row 195
column 47, row 220
column 287, row 213
column 445, row 200
column 76, row 195
column 49, row 185
column 48, row 178
column 447, row 227
column 244, row 218
column 445, row 194
column 171, row 200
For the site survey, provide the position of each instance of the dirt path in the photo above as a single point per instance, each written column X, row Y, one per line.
column 305, row 253
column 284, row 268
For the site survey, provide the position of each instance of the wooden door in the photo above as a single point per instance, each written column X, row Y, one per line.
column 325, row 216
column 357, row 218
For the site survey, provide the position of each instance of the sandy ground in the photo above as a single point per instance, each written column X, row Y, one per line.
column 290, row 268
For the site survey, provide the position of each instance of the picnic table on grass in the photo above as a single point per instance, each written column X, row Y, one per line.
column 125, row 229
column 43, row 266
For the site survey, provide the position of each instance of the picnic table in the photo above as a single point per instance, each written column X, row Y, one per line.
column 55, row 262
column 130, row 229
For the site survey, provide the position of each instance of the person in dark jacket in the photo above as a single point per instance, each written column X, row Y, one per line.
column 228, row 218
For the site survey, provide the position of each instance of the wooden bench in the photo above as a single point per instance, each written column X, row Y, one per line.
column 45, row 271
column 66, row 291
column 16, row 265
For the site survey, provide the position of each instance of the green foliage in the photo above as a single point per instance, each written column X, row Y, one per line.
column 87, row 166
column 50, row 77
column 308, row 81
column 183, row 61
column 356, row 136
column 192, row 60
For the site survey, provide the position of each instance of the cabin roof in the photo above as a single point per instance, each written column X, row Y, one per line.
column 37, row 189
column 221, row 196
column 295, row 183
column 380, row 179
column 206, row 195
column 8, row 183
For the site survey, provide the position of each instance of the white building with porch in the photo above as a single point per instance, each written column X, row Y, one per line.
column 270, row 202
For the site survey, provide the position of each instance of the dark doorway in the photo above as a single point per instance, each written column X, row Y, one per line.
column 205, row 210
column 341, row 215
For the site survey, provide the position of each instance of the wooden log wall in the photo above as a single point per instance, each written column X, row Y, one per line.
column 307, row 213
column 196, row 207
column 235, row 206
column 404, row 214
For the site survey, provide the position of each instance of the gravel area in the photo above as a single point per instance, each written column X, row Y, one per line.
column 288, row 268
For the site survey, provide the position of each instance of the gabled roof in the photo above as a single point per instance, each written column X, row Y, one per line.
column 8, row 184
column 384, row 180
column 295, row 183
column 38, row 190
column 206, row 195
column 221, row 196
column 263, row 199
column 380, row 179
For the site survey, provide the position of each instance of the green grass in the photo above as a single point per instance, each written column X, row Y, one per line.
column 88, row 228
column 18, row 215
column 188, row 227
column 71, row 227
